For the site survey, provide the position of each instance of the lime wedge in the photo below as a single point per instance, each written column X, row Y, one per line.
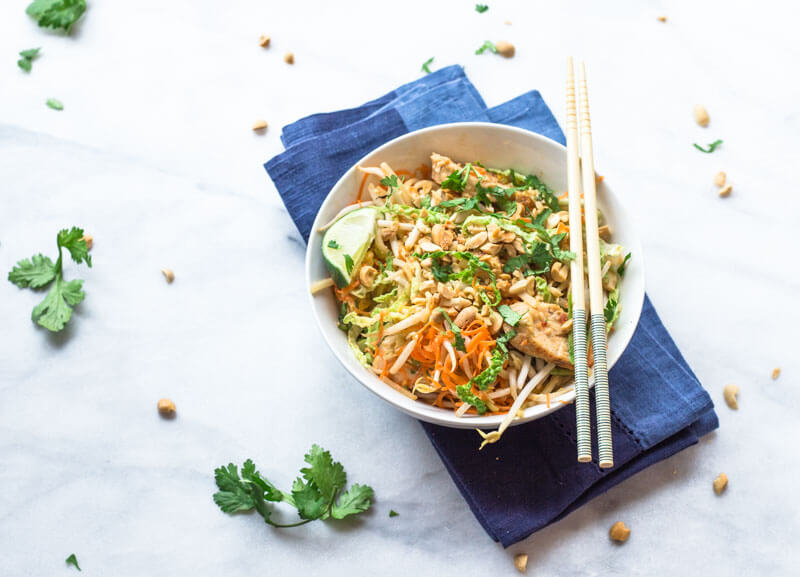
column 346, row 242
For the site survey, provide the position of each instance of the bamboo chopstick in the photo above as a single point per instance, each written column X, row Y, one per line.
column 582, row 412
column 598, row 322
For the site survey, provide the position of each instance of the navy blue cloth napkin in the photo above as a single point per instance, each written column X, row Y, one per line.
column 531, row 478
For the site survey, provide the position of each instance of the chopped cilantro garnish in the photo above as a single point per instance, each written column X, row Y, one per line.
column 538, row 261
column 333, row 244
column 711, row 147
column 348, row 262
column 426, row 66
column 481, row 8
column 621, row 268
column 460, row 344
column 73, row 560
column 465, row 394
column 390, row 181
column 393, row 513
column 457, row 181
column 488, row 45
column 55, row 104
column 26, row 61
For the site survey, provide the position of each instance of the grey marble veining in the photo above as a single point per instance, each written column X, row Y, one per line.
column 154, row 156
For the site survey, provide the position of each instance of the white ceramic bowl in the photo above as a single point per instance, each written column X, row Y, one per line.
column 493, row 145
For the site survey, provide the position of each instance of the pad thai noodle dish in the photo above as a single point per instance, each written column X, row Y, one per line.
column 454, row 284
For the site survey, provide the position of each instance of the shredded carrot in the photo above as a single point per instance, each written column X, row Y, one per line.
column 548, row 400
column 563, row 196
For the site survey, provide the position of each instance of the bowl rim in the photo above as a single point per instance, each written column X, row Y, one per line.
column 445, row 417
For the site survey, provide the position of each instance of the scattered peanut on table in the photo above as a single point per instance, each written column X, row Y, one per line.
column 166, row 407
column 662, row 18
column 89, row 240
column 168, row 275
column 260, row 125
column 505, row 49
column 720, row 483
column 701, row 115
column 521, row 562
column 263, row 40
column 776, row 372
column 725, row 190
column 289, row 58
column 619, row 532
column 720, row 178
column 730, row 392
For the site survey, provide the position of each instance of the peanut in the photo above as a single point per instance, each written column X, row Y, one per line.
column 521, row 562
column 720, row 483
column 725, row 190
column 89, row 240
column 776, row 372
column 662, row 18
column 289, row 58
column 168, row 274
column 505, row 49
column 263, row 40
column 730, row 392
column 701, row 115
column 166, row 407
column 260, row 125
column 720, row 178
column 619, row 532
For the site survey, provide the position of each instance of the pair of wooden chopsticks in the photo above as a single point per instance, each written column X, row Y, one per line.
column 575, row 166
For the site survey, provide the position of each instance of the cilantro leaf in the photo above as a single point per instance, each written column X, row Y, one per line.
column 488, row 45
column 25, row 64
column 509, row 315
column 443, row 272
column 73, row 240
column 55, row 104
column 489, row 375
column 390, row 181
column 73, row 560
column 481, row 8
column 54, row 312
column 426, row 66
column 537, row 261
column 27, row 58
column 612, row 309
column 393, row 513
column 333, row 244
column 233, row 494
column 457, row 181
column 56, row 14
column 348, row 262
column 711, row 147
column 316, row 494
column 34, row 273
column 328, row 476
column 356, row 499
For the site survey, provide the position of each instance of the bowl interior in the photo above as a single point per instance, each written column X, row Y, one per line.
column 496, row 146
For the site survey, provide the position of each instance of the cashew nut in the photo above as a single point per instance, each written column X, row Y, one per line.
column 619, row 532
column 466, row 316
column 497, row 322
column 701, row 115
column 730, row 392
column 720, row 483
column 367, row 276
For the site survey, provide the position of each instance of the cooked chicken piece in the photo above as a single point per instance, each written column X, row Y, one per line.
column 540, row 332
column 442, row 167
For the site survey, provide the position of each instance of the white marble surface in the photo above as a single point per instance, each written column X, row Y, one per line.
column 153, row 155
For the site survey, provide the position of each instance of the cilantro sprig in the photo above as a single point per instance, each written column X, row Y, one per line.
column 73, row 560
column 426, row 66
column 54, row 312
column 56, row 14
column 443, row 271
column 316, row 494
column 481, row 8
column 460, row 343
